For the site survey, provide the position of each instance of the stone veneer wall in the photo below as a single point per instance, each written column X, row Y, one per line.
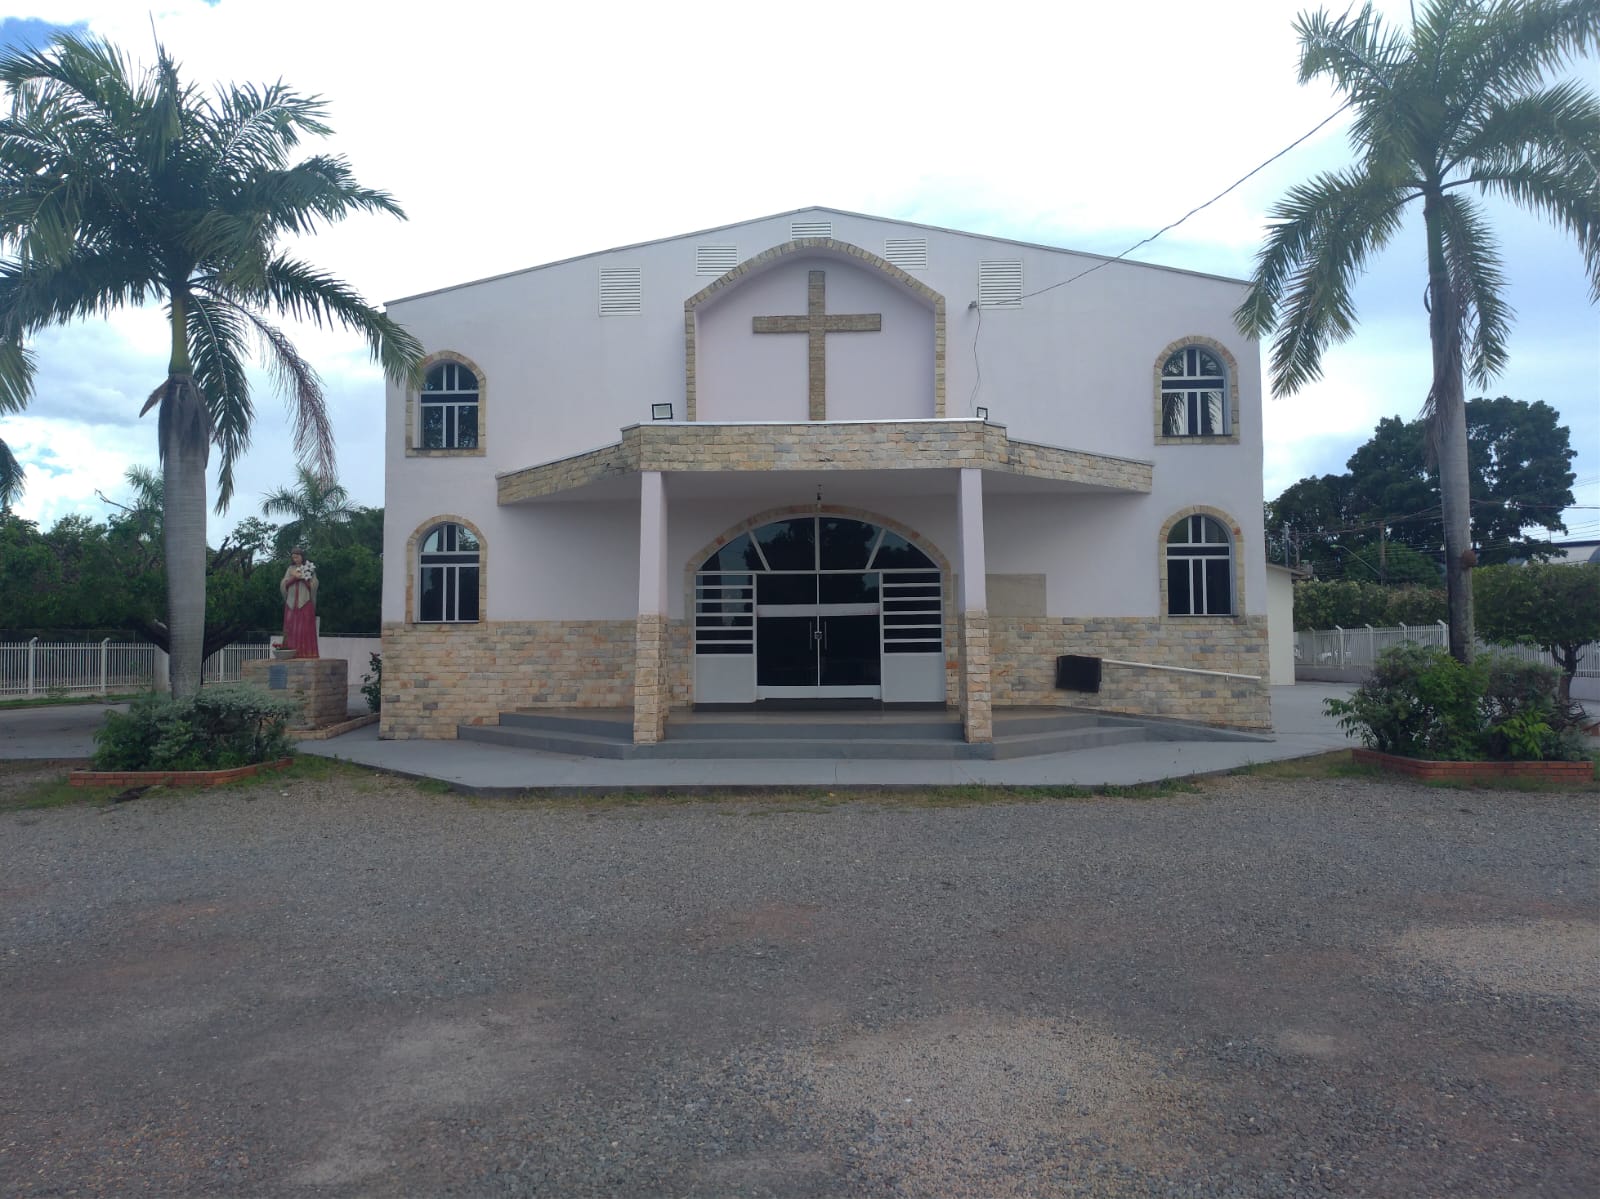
column 436, row 676
column 1023, row 652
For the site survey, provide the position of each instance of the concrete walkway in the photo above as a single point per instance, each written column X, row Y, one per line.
column 1301, row 730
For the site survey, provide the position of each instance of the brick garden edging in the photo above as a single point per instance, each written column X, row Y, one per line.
column 1477, row 772
column 171, row 778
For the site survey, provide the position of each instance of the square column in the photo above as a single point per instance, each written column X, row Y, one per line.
column 650, row 692
column 977, row 712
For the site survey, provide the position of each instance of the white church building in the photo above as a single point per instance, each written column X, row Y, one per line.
column 830, row 459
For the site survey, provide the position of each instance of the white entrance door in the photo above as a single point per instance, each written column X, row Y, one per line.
column 818, row 607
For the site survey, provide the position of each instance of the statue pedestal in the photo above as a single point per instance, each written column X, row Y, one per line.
column 322, row 685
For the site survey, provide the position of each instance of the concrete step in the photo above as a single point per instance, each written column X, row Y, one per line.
column 610, row 735
column 835, row 729
column 903, row 749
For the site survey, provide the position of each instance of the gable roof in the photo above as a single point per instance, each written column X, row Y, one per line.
column 1104, row 259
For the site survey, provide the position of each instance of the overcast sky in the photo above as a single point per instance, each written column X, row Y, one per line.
column 515, row 135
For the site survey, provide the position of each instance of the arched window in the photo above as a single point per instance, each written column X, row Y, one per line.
column 1199, row 568
column 450, row 396
column 448, row 566
column 1194, row 394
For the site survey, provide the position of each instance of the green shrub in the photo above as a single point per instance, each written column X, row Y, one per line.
column 372, row 683
column 217, row 728
column 1524, row 718
column 1419, row 702
column 1346, row 603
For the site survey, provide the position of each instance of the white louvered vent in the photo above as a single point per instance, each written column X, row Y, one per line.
column 799, row 229
column 715, row 260
column 1000, row 283
column 621, row 293
column 907, row 253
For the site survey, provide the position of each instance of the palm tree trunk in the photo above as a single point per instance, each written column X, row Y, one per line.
column 185, row 446
column 1450, row 438
column 183, row 472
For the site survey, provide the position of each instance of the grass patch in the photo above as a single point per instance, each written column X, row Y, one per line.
column 759, row 802
column 28, row 785
column 1336, row 764
column 67, row 701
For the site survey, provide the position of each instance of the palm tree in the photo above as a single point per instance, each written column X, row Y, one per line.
column 12, row 476
column 118, row 189
column 320, row 508
column 1460, row 105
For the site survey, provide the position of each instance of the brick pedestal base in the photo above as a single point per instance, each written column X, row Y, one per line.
column 322, row 685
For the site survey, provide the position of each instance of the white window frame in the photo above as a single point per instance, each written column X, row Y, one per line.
column 450, row 401
column 1188, row 385
column 452, row 561
column 1192, row 557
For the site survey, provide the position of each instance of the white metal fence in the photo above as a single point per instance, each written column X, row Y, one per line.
column 29, row 668
column 1358, row 648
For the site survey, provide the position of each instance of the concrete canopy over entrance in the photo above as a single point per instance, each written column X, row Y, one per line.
column 921, row 446
column 760, row 464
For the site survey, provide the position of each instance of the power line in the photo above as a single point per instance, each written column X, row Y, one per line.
column 1198, row 208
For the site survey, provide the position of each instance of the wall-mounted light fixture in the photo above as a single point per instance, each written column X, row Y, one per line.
column 660, row 411
column 981, row 413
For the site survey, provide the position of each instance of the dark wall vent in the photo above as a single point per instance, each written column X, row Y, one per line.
column 1075, row 672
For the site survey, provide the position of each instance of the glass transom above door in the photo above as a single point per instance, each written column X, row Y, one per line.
column 819, row 607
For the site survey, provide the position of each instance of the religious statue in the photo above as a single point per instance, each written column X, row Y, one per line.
column 299, row 588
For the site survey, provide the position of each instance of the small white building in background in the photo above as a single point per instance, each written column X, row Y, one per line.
column 1280, row 623
column 826, row 457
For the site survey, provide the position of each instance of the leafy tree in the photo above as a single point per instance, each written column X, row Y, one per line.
column 319, row 508
column 1555, row 606
column 1458, row 104
column 1522, row 478
column 366, row 528
column 119, row 188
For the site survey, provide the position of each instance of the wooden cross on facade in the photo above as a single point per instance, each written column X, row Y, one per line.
column 816, row 324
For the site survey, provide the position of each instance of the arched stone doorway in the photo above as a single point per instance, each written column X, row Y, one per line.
column 818, row 607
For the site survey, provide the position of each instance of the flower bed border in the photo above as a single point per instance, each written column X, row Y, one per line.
column 171, row 778
column 1476, row 772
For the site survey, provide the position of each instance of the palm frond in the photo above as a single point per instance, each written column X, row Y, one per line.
column 322, row 187
column 303, row 394
column 36, row 294
column 1364, row 59
column 1323, row 234
column 16, row 375
column 1560, row 122
column 255, row 127
column 12, row 477
column 1515, row 46
column 305, row 293
column 299, row 381
column 217, row 336
column 1543, row 154
column 1475, row 272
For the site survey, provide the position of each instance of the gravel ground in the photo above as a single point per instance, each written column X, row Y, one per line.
column 354, row 987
